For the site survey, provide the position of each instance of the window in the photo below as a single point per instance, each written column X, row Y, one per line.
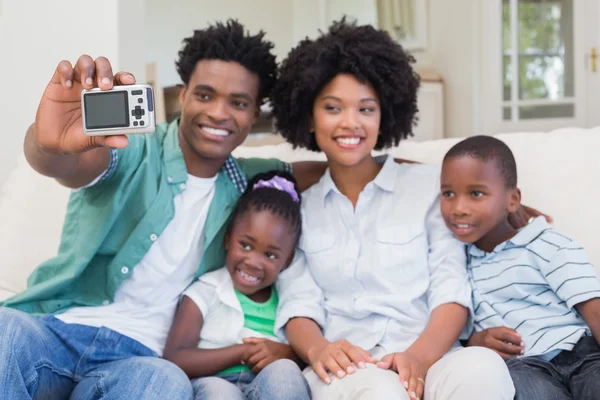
column 538, row 61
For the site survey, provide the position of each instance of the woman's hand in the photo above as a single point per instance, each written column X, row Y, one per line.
column 521, row 218
column 412, row 371
column 337, row 358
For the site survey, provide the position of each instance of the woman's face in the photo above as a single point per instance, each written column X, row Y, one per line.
column 346, row 117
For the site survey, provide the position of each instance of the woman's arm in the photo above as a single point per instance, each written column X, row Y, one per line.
column 442, row 331
column 305, row 337
column 181, row 348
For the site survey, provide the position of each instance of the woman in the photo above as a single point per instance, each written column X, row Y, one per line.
column 378, row 294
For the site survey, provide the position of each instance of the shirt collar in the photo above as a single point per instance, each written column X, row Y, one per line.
column 175, row 163
column 385, row 179
column 524, row 236
column 221, row 280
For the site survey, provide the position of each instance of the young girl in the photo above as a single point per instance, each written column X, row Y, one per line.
column 223, row 333
column 393, row 278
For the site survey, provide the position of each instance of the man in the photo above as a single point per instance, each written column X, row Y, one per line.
column 147, row 217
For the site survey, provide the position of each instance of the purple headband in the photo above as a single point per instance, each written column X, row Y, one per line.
column 279, row 183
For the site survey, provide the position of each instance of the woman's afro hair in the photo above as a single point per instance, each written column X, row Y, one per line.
column 368, row 54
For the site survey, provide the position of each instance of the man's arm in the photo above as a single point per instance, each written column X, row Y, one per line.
column 70, row 170
column 56, row 145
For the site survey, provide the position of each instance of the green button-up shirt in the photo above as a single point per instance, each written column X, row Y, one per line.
column 110, row 226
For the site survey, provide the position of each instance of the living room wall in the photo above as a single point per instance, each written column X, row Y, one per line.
column 35, row 35
column 450, row 47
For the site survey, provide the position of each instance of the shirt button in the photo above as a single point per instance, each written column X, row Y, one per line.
column 124, row 270
column 105, row 302
column 182, row 186
column 153, row 237
column 169, row 179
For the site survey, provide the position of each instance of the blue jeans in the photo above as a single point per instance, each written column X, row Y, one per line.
column 281, row 379
column 572, row 375
column 44, row 358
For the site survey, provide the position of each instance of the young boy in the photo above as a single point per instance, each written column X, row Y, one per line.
column 535, row 294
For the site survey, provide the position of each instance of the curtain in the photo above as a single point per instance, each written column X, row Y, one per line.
column 397, row 17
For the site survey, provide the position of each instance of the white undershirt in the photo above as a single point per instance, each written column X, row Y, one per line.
column 144, row 305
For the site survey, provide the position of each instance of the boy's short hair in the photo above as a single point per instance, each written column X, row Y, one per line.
column 487, row 148
column 370, row 55
column 229, row 42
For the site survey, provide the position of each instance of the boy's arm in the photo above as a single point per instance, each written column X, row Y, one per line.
column 504, row 341
column 590, row 311
column 574, row 279
column 181, row 348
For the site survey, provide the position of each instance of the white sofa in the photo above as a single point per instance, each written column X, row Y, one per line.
column 559, row 173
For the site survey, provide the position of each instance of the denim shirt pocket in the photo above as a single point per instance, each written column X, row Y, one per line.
column 322, row 255
column 402, row 249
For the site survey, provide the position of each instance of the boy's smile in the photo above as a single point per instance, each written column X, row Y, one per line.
column 475, row 201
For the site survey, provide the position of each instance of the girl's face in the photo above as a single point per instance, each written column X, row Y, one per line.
column 258, row 246
column 346, row 117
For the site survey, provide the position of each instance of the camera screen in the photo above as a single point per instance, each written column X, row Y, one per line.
column 106, row 110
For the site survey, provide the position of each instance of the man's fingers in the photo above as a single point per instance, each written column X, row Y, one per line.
column 63, row 74
column 117, row 141
column 126, row 78
column 85, row 71
column 104, row 74
column 321, row 372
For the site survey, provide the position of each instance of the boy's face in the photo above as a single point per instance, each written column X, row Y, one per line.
column 258, row 246
column 219, row 106
column 475, row 201
column 346, row 118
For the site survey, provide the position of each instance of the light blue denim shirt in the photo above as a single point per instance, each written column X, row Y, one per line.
column 372, row 275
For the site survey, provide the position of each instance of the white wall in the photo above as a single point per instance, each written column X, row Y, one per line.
column 450, row 48
column 32, row 43
column 450, row 51
column 169, row 22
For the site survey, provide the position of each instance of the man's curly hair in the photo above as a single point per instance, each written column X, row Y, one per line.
column 371, row 56
column 229, row 42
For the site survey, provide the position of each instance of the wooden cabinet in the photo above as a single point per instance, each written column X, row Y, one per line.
column 430, row 125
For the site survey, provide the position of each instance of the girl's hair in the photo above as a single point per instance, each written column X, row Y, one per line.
column 370, row 55
column 276, row 192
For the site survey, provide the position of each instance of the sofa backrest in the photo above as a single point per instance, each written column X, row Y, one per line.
column 559, row 174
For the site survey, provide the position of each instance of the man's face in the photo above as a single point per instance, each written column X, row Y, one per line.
column 475, row 201
column 219, row 106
